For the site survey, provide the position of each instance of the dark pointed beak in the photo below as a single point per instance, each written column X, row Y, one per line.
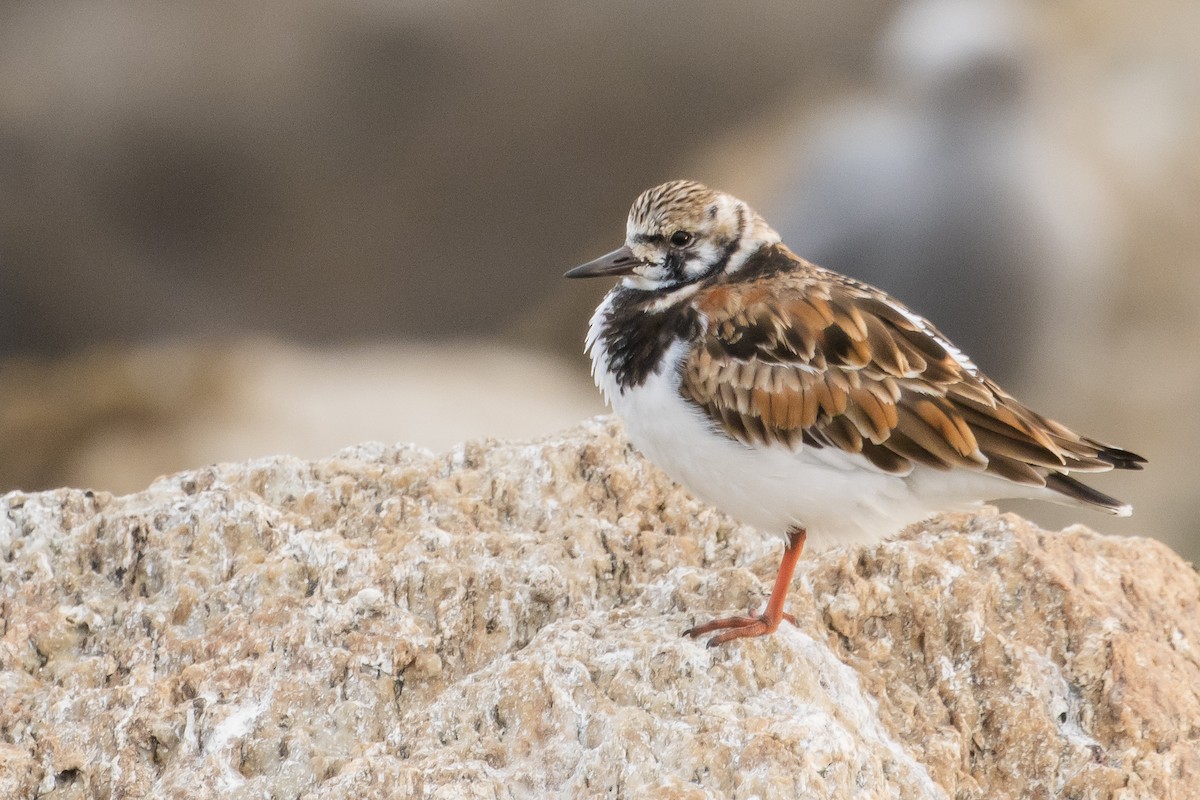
column 621, row 261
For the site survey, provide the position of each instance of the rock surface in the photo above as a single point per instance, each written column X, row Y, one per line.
column 503, row 621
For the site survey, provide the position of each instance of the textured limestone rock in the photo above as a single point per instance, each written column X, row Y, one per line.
column 503, row 621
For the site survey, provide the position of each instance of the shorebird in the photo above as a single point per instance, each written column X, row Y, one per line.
column 801, row 401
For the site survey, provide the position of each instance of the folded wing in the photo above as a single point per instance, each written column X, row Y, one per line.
column 809, row 358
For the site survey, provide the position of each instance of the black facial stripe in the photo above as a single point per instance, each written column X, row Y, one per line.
column 673, row 264
column 648, row 238
column 733, row 245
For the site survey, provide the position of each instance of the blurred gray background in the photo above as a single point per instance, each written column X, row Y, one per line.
column 230, row 230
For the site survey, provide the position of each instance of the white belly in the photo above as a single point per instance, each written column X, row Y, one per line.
column 837, row 497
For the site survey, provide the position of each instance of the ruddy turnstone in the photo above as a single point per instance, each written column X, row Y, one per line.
column 802, row 401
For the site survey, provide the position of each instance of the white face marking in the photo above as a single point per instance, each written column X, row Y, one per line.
column 649, row 278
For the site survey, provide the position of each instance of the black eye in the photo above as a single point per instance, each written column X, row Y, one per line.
column 682, row 238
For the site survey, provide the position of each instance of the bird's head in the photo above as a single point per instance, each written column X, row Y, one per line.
column 680, row 233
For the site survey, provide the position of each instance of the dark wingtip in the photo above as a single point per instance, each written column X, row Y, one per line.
column 1066, row 485
column 1120, row 459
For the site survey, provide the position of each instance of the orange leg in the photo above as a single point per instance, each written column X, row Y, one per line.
column 743, row 627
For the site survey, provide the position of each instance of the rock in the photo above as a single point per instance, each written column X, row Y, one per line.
column 503, row 620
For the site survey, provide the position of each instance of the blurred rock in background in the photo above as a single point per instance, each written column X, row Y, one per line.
column 323, row 170
column 114, row 418
column 351, row 177
column 950, row 187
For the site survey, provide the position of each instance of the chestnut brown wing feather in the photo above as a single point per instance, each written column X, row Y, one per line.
column 807, row 358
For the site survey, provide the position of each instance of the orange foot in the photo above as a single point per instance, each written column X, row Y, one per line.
column 768, row 621
column 738, row 627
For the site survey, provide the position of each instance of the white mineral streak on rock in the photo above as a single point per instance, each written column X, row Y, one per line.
column 224, row 738
column 502, row 621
